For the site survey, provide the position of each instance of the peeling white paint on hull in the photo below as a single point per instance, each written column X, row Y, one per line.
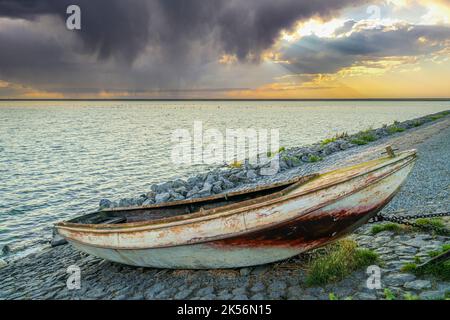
column 196, row 256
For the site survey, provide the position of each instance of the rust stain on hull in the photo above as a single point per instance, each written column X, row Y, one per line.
column 306, row 232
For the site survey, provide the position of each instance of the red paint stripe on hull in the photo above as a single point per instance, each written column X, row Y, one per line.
column 313, row 230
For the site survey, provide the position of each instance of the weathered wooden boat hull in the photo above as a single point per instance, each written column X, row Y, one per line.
column 310, row 216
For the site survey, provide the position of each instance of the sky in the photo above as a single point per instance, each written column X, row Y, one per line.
column 226, row 49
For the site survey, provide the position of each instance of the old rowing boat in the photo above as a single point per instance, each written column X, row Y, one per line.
column 252, row 227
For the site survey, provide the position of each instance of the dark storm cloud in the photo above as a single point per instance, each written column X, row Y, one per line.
column 251, row 26
column 141, row 44
column 123, row 28
column 113, row 27
column 313, row 55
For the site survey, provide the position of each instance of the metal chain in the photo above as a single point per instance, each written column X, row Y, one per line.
column 405, row 220
column 390, row 217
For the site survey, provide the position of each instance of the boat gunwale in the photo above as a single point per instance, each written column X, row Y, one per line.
column 229, row 209
column 248, row 231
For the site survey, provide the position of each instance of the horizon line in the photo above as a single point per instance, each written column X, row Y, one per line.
column 223, row 99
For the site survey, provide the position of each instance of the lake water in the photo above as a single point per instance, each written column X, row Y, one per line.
column 58, row 159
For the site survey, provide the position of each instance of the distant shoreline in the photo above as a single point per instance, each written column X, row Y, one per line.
column 200, row 99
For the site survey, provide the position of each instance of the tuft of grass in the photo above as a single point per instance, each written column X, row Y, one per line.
column 327, row 141
column 409, row 267
column 270, row 154
column 295, row 161
column 417, row 123
column 435, row 224
column 313, row 158
column 340, row 260
column 332, row 296
column 445, row 248
column 436, row 117
column 364, row 137
column 387, row 227
column 236, row 164
column 358, row 141
column 440, row 270
column 388, row 294
column 368, row 135
column 409, row 296
column 394, row 129
column 337, row 136
column 431, row 222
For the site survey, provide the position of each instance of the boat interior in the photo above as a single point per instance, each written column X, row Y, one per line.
column 177, row 208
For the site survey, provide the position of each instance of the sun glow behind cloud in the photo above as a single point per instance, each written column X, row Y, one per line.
column 372, row 76
column 437, row 13
column 313, row 27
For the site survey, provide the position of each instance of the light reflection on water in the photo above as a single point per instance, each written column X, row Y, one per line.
column 58, row 159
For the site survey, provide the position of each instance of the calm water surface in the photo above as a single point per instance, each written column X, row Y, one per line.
column 58, row 159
